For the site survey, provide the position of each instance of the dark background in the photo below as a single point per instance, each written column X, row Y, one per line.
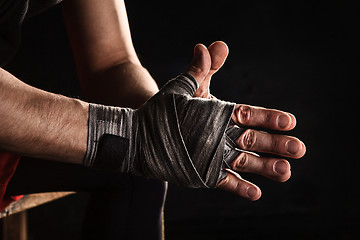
column 297, row 56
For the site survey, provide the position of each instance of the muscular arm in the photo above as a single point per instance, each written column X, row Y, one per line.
column 45, row 125
column 51, row 126
column 108, row 68
column 41, row 124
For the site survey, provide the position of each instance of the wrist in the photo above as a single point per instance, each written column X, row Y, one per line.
column 106, row 125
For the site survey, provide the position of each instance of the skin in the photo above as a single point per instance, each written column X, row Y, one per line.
column 45, row 125
column 205, row 63
column 107, row 65
column 54, row 127
column 41, row 124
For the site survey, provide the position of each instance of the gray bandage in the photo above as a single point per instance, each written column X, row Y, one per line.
column 173, row 136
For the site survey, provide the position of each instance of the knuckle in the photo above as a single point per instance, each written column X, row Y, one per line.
column 195, row 69
column 244, row 114
column 198, row 71
column 274, row 144
column 241, row 162
column 269, row 116
column 238, row 188
column 224, row 182
column 264, row 166
column 248, row 139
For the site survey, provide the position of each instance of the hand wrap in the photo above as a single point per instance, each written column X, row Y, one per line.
column 173, row 136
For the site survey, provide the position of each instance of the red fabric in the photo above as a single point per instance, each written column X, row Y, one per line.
column 8, row 164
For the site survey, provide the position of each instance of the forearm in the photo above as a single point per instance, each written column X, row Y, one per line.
column 127, row 84
column 106, row 61
column 41, row 124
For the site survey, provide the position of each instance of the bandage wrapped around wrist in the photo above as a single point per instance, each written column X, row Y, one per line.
column 173, row 137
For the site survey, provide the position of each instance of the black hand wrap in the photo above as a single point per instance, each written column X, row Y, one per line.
column 173, row 137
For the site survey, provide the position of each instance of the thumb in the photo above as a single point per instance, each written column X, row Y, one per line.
column 200, row 64
column 218, row 53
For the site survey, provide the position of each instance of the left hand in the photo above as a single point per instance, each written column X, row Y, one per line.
column 205, row 63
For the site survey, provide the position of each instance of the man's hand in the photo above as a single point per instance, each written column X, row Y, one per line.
column 161, row 140
column 205, row 63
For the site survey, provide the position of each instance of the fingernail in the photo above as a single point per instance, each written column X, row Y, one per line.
column 292, row 146
column 280, row 167
column 283, row 121
column 252, row 192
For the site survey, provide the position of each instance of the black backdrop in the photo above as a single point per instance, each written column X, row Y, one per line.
column 298, row 56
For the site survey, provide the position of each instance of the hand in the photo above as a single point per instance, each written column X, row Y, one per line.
column 161, row 139
column 205, row 63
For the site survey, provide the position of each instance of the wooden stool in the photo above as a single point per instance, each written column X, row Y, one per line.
column 14, row 222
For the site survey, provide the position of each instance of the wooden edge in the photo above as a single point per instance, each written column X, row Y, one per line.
column 32, row 200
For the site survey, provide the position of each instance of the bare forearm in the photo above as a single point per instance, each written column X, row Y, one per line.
column 127, row 84
column 106, row 61
column 41, row 124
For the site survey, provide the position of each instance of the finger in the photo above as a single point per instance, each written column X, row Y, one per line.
column 273, row 168
column 235, row 184
column 200, row 64
column 218, row 51
column 259, row 141
column 251, row 116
